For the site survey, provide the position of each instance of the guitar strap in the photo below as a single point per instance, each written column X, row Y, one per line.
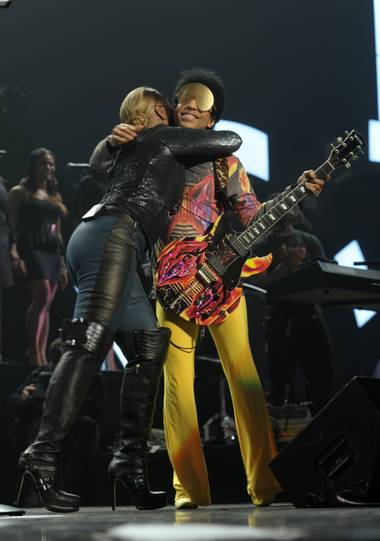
column 221, row 175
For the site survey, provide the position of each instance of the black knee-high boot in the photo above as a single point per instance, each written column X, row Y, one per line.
column 85, row 345
column 146, row 352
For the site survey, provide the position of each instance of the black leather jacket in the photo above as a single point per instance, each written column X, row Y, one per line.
column 148, row 176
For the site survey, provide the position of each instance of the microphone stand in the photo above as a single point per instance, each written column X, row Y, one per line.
column 259, row 291
column 75, row 165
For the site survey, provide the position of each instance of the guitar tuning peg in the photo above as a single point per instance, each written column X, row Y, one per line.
column 339, row 139
column 355, row 158
column 332, row 145
column 347, row 165
column 347, row 132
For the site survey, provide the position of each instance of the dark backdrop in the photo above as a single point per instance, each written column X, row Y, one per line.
column 300, row 71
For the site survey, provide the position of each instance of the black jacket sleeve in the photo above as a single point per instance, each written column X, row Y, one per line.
column 208, row 144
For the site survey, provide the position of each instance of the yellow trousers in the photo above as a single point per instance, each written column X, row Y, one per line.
column 180, row 416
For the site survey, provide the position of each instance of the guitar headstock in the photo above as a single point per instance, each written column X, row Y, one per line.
column 347, row 149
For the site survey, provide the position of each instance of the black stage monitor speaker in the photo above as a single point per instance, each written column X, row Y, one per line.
column 335, row 459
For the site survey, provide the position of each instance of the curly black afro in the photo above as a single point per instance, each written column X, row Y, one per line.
column 208, row 78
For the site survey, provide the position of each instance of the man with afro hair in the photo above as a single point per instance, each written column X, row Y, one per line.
column 210, row 188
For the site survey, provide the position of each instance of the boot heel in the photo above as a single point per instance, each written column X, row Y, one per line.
column 43, row 479
column 27, row 486
column 141, row 496
column 19, row 491
column 114, row 497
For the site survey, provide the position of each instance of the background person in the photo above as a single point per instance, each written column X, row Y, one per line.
column 36, row 210
column 295, row 333
column 26, row 404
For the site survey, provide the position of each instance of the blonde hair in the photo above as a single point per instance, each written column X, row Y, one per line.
column 138, row 105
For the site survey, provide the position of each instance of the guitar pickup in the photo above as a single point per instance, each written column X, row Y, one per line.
column 206, row 275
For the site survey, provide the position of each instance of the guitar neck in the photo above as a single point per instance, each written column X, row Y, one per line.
column 289, row 199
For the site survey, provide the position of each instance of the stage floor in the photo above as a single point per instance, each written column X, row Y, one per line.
column 280, row 522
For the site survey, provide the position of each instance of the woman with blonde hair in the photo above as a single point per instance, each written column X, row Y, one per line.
column 146, row 184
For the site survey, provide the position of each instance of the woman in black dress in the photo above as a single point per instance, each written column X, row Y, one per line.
column 36, row 211
column 146, row 185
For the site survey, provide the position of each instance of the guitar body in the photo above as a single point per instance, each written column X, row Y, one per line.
column 186, row 282
column 198, row 278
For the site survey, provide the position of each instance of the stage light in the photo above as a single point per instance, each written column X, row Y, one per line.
column 374, row 125
column 254, row 152
column 346, row 256
column 120, row 355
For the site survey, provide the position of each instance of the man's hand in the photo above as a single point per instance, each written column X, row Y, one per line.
column 314, row 185
column 28, row 392
column 124, row 133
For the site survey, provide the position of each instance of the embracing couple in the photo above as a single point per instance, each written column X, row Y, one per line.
column 166, row 182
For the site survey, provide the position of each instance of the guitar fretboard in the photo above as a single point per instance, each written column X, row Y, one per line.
column 290, row 198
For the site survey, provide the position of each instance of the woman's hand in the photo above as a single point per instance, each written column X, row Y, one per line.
column 63, row 279
column 18, row 265
column 63, row 276
column 123, row 134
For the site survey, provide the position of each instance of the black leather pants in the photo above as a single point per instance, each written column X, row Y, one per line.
column 101, row 258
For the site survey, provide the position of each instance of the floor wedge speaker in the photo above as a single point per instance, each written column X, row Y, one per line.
column 335, row 460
